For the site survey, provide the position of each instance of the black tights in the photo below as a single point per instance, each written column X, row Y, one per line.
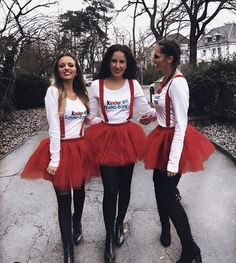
column 64, row 211
column 169, row 206
column 116, row 181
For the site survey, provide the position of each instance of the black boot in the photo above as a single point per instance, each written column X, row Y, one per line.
column 165, row 234
column 177, row 214
column 64, row 216
column 77, row 231
column 165, row 237
column 119, row 235
column 190, row 253
column 68, row 253
column 109, row 254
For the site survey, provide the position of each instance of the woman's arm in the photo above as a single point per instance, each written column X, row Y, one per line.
column 51, row 105
column 140, row 102
column 93, row 103
column 179, row 94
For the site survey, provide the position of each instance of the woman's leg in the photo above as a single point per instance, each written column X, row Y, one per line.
column 125, row 178
column 64, row 216
column 78, row 198
column 110, row 184
column 168, row 197
column 160, row 181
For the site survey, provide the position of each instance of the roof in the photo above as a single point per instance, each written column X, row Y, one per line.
column 179, row 37
column 220, row 35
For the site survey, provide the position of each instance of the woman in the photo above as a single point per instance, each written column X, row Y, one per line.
column 173, row 148
column 116, row 141
column 65, row 158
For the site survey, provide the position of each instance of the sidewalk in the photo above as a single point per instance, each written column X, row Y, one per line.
column 29, row 229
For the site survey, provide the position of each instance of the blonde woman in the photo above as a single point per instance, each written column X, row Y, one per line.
column 64, row 158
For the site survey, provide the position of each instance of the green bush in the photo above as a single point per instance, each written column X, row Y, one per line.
column 30, row 91
column 150, row 75
column 213, row 89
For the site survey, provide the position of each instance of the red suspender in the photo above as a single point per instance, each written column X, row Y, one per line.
column 167, row 100
column 101, row 96
column 82, row 128
column 62, row 127
column 131, row 107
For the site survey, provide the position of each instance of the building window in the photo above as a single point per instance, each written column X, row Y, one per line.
column 219, row 51
column 204, row 52
column 213, row 51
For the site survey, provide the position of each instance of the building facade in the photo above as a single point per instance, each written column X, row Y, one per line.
column 220, row 42
column 184, row 46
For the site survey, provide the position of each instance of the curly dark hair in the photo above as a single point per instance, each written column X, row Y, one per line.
column 171, row 48
column 131, row 70
column 78, row 83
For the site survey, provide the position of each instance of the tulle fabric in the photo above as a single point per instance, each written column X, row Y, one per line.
column 116, row 144
column 77, row 164
column 196, row 149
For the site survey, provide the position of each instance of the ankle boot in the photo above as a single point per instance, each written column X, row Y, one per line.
column 190, row 253
column 68, row 253
column 109, row 254
column 119, row 235
column 165, row 235
column 77, row 233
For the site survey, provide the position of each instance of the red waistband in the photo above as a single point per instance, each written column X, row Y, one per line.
column 115, row 124
column 72, row 139
column 165, row 128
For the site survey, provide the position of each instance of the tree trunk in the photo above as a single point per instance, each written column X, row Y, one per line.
column 7, row 83
column 193, row 47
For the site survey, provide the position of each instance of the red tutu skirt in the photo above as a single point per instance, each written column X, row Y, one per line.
column 116, row 144
column 76, row 166
column 196, row 149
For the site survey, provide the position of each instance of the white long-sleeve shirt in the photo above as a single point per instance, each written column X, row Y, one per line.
column 179, row 94
column 75, row 113
column 117, row 102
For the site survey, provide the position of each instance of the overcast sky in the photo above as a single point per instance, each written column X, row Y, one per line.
column 124, row 20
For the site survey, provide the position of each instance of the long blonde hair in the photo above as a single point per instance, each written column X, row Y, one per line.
column 78, row 85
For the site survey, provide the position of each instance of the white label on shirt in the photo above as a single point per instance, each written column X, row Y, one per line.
column 117, row 104
column 156, row 98
column 76, row 115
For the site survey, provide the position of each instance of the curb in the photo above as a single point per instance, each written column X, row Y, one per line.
column 224, row 151
column 20, row 144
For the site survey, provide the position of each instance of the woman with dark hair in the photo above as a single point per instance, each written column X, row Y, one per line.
column 173, row 148
column 64, row 158
column 117, row 142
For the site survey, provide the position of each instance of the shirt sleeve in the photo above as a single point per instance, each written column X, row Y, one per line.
column 179, row 93
column 51, row 105
column 140, row 101
column 94, row 103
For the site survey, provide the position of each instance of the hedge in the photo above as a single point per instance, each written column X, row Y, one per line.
column 30, row 91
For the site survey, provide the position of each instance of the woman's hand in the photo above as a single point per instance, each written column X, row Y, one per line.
column 87, row 121
column 51, row 170
column 147, row 119
column 171, row 174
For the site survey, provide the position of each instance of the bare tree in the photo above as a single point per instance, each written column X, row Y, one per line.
column 120, row 35
column 165, row 17
column 200, row 14
column 22, row 22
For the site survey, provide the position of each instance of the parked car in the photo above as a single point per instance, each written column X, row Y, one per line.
column 152, row 87
column 88, row 79
column 155, row 83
